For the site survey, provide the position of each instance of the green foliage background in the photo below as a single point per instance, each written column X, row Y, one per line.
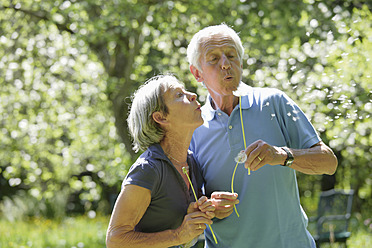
column 68, row 68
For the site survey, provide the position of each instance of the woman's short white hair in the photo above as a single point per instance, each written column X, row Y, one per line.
column 145, row 101
column 193, row 49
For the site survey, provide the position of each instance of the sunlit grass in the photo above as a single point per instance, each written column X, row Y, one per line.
column 79, row 232
column 70, row 232
column 359, row 239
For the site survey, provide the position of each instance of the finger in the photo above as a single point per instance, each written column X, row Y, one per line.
column 224, row 203
column 253, row 155
column 197, row 214
column 258, row 163
column 255, row 152
column 202, row 200
column 264, row 156
column 210, row 214
column 201, row 220
column 192, row 207
column 207, row 207
column 222, row 215
column 224, row 195
column 204, row 221
column 252, row 146
column 203, row 203
column 200, row 227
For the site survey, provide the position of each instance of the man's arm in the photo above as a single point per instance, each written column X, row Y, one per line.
column 317, row 160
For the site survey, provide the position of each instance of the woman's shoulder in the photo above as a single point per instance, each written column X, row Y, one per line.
column 147, row 161
column 144, row 172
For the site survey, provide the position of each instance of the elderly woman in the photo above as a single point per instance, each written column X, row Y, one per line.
column 155, row 208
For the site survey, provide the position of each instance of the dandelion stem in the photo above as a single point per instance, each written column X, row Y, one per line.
column 232, row 187
column 196, row 199
column 241, row 121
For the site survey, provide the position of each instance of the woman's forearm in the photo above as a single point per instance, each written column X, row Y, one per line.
column 120, row 237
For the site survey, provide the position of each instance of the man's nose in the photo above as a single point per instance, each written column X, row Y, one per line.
column 225, row 63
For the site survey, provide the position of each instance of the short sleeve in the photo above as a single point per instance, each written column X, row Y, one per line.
column 142, row 174
column 299, row 132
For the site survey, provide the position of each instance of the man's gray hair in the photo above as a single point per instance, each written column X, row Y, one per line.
column 145, row 101
column 193, row 49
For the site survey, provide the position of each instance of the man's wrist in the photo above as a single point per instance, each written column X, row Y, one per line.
column 289, row 158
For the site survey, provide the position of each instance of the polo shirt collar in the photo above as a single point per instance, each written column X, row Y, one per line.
column 247, row 101
column 157, row 152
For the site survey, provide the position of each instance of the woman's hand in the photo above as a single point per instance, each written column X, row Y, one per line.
column 193, row 225
column 199, row 214
column 204, row 205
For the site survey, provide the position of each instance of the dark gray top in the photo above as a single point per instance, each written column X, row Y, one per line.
column 170, row 196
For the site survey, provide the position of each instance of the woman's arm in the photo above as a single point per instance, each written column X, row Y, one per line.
column 130, row 207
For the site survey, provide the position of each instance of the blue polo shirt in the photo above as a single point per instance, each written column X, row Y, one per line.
column 270, row 212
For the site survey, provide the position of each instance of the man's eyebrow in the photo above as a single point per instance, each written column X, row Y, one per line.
column 228, row 47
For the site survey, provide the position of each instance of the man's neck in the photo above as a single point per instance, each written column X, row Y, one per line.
column 225, row 103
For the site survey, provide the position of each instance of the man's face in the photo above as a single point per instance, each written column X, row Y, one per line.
column 221, row 69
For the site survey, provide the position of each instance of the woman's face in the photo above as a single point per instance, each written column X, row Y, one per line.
column 183, row 108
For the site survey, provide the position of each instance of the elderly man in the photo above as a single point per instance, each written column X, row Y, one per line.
column 276, row 137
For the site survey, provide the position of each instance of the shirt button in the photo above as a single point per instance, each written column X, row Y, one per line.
column 219, row 114
column 230, row 127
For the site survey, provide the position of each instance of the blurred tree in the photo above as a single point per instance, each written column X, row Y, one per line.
column 68, row 69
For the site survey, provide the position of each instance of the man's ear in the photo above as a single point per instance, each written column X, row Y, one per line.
column 197, row 74
column 159, row 118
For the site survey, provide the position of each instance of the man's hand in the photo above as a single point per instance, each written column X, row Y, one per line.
column 317, row 160
column 260, row 153
column 224, row 203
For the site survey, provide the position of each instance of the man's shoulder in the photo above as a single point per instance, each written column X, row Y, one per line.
column 267, row 92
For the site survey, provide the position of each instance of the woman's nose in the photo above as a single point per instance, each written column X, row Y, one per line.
column 192, row 97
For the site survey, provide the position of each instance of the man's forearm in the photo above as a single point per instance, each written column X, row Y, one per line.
column 316, row 160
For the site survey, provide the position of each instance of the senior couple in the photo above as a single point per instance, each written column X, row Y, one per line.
column 191, row 147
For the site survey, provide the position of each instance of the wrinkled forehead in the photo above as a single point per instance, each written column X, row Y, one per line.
column 215, row 41
column 173, row 85
column 170, row 91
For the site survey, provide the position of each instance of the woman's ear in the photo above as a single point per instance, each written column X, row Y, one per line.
column 197, row 74
column 159, row 118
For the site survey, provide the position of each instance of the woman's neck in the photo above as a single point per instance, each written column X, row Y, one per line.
column 175, row 145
